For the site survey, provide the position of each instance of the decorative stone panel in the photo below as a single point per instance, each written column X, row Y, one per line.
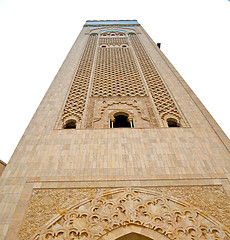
column 113, row 41
column 139, row 107
column 92, row 213
column 76, row 100
column 116, row 72
column 162, row 98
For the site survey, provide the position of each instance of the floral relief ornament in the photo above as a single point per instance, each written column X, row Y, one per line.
column 95, row 217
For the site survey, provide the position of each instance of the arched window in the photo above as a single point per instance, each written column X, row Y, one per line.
column 132, row 33
column 172, row 122
column 70, row 124
column 121, row 120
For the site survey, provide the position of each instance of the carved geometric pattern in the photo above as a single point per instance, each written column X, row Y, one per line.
column 75, row 103
column 113, row 34
column 159, row 92
column 105, row 211
column 116, row 73
column 113, row 41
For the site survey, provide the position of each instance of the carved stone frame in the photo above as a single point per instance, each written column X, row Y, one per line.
column 35, row 183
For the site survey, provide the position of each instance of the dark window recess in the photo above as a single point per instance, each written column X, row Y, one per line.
column 172, row 123
column 121, row 121
column 70, row 125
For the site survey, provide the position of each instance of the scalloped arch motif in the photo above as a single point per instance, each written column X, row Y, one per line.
column 134, row 104
column 96, row 217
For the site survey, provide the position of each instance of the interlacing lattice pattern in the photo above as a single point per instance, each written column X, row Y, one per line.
column 159, row 92
column 116, row 73
column 113, row 41
column 113, row 34
column 75, row 103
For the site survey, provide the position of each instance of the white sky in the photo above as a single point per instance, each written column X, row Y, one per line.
column 36, row 35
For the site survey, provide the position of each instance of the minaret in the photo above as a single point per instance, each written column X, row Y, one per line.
column 119, row 148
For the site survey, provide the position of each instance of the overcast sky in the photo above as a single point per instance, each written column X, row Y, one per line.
column 36, row 36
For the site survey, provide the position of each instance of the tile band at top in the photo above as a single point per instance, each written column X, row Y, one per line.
column 112, row 22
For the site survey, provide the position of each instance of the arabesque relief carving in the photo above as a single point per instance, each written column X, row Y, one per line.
column 133, row 103
column 48, row 203
column 105, row 210
column 99, row 109
column 210, row 199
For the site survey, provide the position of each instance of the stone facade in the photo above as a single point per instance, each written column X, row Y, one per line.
column 2, row 167
column 78, row 174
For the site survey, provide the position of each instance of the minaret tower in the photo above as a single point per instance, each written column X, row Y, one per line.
column 120, row 148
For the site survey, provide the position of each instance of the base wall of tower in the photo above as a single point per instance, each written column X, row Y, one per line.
column 65, row 162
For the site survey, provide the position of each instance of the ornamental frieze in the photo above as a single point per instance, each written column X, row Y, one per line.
column 95, row 212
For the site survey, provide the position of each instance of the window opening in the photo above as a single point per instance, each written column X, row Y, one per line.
column 172, row 122
column 121, row 121
column 70, row 124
